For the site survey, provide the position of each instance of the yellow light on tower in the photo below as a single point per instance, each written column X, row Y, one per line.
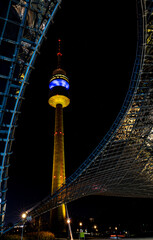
column 59, row 99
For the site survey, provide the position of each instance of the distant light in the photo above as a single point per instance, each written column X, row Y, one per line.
column 59, row 82
column 24, row 215
column 80, row 224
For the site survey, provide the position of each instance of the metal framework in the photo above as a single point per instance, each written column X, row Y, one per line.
column 23, row 25
column 122, row 163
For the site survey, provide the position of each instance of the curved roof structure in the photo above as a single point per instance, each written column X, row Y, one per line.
column 122, row 164
column 23, row 25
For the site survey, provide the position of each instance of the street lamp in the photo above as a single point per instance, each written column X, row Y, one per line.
column 116, row 228
column 23, row 216
column 68, row 221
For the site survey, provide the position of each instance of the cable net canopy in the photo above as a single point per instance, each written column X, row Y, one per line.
column 122, row 164
column 23, row 25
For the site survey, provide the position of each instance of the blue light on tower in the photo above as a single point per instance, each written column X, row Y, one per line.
column 58, row 82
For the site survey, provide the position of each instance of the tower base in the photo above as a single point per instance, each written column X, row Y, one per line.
column 57, row 221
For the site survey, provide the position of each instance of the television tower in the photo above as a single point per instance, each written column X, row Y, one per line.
column 59, row 99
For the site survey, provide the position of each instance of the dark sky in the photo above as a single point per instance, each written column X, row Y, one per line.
column 98, row 46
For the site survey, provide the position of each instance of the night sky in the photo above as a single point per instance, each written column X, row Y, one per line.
column 98, row 56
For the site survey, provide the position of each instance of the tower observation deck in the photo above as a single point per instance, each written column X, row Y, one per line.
column 59, row 99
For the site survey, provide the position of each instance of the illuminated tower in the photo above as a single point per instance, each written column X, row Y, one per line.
column 59, row 99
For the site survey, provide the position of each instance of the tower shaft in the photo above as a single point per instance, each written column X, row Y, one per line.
column 58, row 174
column 59, row 99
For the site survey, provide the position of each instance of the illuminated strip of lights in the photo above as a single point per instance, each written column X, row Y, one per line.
column 59, row 82
column 57, row 76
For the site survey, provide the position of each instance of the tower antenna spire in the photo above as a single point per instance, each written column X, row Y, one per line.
column 59, row 54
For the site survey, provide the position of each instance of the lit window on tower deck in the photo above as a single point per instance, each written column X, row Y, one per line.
column 59, row 83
